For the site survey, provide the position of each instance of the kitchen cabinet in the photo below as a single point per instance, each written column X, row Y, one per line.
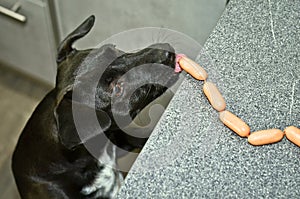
column 196, row 18
column 29, row 46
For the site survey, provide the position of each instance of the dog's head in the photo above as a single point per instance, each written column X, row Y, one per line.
column 115, row 84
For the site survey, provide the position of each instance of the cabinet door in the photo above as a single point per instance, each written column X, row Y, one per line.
column 29, row 47
column 195, row 18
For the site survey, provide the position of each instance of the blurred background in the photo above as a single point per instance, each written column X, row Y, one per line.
column 30, row 31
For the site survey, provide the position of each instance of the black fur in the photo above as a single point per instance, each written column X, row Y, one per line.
column 50, row 159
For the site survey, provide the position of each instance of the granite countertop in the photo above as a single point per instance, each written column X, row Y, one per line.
column 255, row 61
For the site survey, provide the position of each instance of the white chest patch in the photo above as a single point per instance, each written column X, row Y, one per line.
column 106, row 183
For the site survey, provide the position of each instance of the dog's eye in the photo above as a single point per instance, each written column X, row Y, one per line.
column 118, row 89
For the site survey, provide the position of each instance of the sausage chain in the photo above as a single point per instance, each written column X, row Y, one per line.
column 233, row 122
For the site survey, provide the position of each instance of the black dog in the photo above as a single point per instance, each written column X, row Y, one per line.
column 52, row 159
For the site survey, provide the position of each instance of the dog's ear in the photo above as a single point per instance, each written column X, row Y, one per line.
column 75, row 123
column 65, row 47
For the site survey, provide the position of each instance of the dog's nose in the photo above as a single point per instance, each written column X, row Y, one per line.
column 163, row 46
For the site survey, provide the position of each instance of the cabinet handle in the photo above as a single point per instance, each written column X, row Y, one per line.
column 13, row 12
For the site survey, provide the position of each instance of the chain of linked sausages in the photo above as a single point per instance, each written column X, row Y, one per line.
column 233, row 122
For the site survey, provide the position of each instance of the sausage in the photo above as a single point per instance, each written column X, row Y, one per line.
column 214, row 96
column 235, row 123
column 293, row 134
column 192, row 68
column 265, row 137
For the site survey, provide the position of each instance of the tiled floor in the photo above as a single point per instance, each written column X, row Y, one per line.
column 18, row 97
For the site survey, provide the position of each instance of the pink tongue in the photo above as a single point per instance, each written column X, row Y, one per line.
column 178, row 69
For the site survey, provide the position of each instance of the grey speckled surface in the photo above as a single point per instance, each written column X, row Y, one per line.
column 255, row 51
